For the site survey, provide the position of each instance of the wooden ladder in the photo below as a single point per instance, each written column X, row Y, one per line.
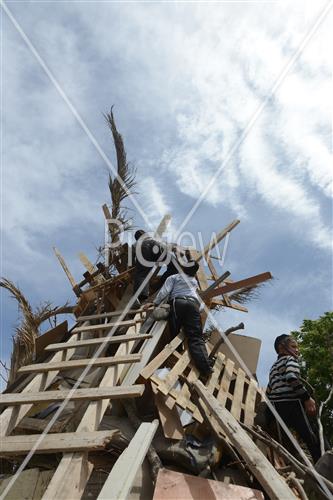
column 114, row 378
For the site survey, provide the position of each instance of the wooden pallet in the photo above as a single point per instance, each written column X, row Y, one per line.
column 230, row 385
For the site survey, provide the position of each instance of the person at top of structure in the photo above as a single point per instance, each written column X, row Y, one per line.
column 180, row 291
column 288, row 394
column 147, row 252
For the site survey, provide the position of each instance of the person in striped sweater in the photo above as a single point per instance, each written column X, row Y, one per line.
column 288, row 394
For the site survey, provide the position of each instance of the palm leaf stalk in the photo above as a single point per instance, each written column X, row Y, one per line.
column 122, row 185
column 26, row 333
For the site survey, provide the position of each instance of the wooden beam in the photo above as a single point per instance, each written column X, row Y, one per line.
column 236, row 285
column 218, row 281
column 162, row 226
column 56, row 334
column 91, row 268
column 80, row 363
column 112, row 314
column 106, row 326
column 86, row 263
column 93, row 394
column 38, row 425
column 119, row 482
column 65, row 267
column 56, row 443
column 101, row 340
column 219, row 237
column 261, row 468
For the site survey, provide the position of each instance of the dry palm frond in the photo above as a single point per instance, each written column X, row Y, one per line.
column 121, row 186
column 24, row 338
column 209, row 330
column 246, row 294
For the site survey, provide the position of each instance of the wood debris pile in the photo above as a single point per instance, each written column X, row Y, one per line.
column 114, row 408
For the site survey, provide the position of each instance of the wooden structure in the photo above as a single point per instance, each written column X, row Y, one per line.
column 110, row 356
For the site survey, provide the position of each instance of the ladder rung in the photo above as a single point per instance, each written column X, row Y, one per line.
column 92, row 394
column 54, row 443
column 111, row 314
column 102, row 340
column 80, row 363
column 104, row 326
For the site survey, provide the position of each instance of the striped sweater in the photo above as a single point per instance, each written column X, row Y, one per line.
column 284, row 380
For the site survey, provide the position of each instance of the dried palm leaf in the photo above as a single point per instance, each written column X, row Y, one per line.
column 246, row 294
column 209, row 330
column 24, row 338
column 122, row 185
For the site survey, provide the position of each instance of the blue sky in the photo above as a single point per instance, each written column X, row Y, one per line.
column 186, row 80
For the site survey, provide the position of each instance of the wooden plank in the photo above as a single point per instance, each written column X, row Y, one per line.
column 184, row 395
column 29, row 485
column 212, row 268
column 112, row 314
column 54, row 335
column 86, row 262
column 171, row 485
column 65, row 267
column 70, row 477
column 236, row 405
column 117, row 339
column 80, row 363
column 106, row 326
column 169, row 418
column 236, row 285
column 250, row 401
column 55, row 443
column 94, row 394
column 90, row 268
column 186, row 404
column 162, row 356
column 217, row 368
column 260, row 467
column 38, row 425
column 219, row 237
column 225, row 381
column 146, row 351
column 119, row 482
column 218, row 281
column 162, row 226
column 169, row 381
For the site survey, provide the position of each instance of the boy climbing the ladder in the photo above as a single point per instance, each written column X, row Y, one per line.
column 180, row 292
column 289, row 396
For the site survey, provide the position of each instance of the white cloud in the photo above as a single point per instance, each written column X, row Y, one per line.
column 155, row 205
column 204, row 68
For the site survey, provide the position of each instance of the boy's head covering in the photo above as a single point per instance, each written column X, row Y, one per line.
column 191, row 268
column 138, row 234
column 281, row 339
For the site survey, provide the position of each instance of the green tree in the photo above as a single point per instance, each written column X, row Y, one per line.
column 315, row 339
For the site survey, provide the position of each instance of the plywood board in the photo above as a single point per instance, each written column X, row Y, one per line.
column 172, row 485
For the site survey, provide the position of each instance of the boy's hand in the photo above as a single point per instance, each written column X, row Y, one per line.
column 147, row 306
column 310, row 407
